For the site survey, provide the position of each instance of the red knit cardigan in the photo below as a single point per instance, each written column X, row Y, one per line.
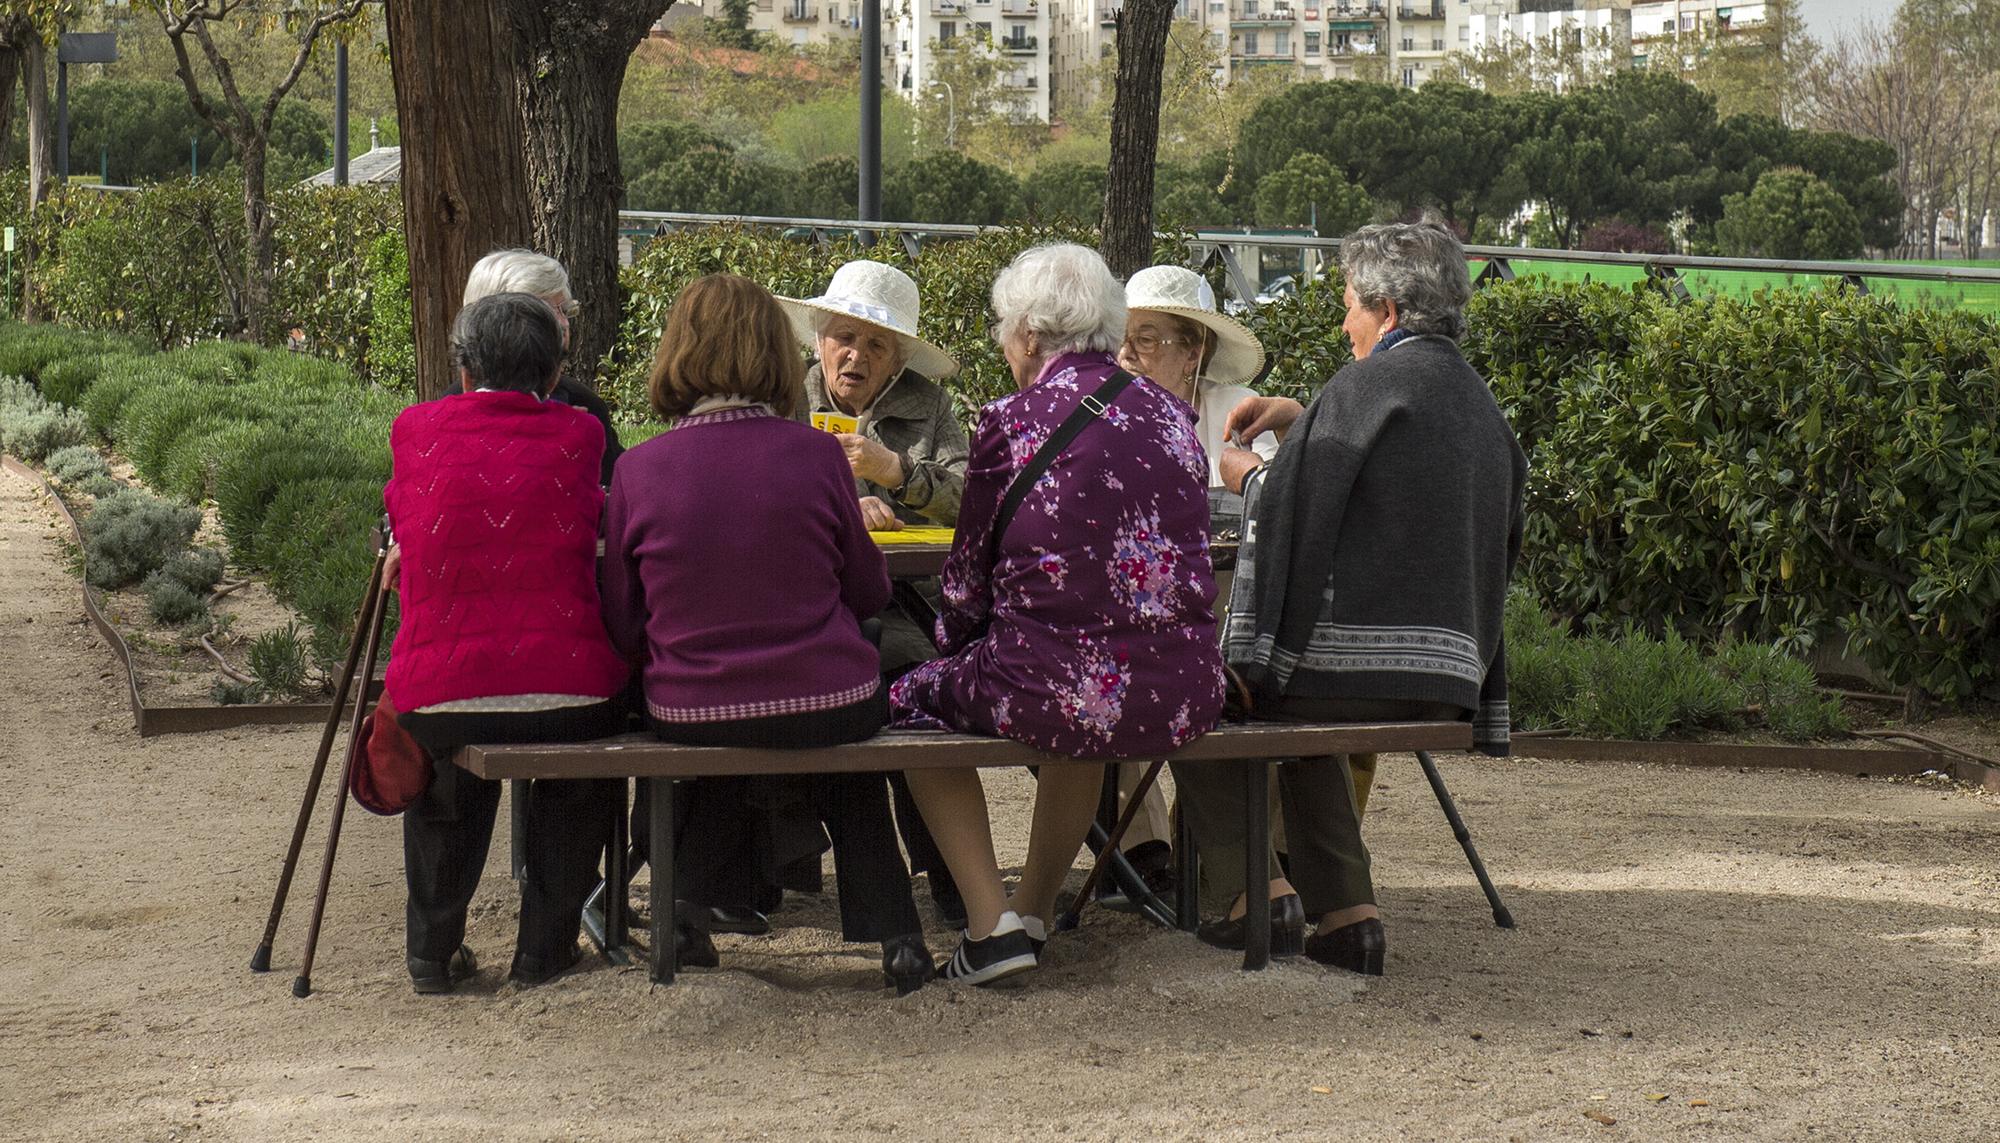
column 496, row 505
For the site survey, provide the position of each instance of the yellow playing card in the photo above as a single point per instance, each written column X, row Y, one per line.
column 836, row 423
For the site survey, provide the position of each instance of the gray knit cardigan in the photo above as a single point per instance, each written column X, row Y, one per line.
column 1379, row 542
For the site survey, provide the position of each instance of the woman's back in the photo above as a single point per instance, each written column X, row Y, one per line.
column 1100, row 599
column 495, row 504
column 736, row 564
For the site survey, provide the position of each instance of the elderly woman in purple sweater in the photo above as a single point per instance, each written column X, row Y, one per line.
column 1082, row 625
column 737, row 571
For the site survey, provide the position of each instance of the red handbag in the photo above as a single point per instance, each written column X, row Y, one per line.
column 390, row 770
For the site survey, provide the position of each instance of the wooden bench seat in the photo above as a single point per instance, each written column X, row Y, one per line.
column 648, row 759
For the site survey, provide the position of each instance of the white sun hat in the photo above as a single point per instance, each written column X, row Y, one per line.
column 1182, row 292
column 879, row 295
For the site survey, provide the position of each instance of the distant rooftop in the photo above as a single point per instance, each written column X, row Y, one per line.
column 377, row 165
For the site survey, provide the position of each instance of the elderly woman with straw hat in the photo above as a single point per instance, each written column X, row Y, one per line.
column 873, row 386
column 1175, row 337
column 874, row 373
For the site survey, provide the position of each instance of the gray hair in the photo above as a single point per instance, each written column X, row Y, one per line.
column 518, row 272
column 1418, row 265
column 508, row 341
column 1066, row 295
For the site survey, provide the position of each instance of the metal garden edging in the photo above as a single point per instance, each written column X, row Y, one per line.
column 156, row 720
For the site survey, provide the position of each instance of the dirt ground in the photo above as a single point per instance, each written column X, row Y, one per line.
column 1701, row 955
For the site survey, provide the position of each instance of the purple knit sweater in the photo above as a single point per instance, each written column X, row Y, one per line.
column 737, row 570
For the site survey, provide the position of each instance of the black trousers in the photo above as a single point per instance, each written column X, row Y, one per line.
column 447, row 832
column 722, row 824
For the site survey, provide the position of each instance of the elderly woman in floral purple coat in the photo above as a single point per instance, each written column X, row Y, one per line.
column 1088, row 630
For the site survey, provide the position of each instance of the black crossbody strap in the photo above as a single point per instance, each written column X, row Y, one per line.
column 1087, row 410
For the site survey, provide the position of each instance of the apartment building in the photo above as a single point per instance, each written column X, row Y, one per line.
column 1597, row 26
column 1660, row 25
column 794, row 22
column 1397, row 41
column 1018, row 31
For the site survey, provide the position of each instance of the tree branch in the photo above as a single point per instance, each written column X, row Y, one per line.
column 307, row 39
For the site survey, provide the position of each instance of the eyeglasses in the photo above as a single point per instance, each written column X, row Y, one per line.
column 1147, row 343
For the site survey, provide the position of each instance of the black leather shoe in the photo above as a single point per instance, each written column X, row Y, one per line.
column 431, row 977
column 1360, row 947
column 1288, row 928
column 906, row 963
column 532, row 970
column 732, row 919
column 691, row 941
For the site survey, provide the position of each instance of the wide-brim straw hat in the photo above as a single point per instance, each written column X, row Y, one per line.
column 879, row 295
column 1238, row 358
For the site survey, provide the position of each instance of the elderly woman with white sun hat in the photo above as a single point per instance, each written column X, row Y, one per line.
column 1175, row 337
column 908, row 448
column 908, row 451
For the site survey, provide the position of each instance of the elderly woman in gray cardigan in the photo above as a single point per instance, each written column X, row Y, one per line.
column 1372, row 577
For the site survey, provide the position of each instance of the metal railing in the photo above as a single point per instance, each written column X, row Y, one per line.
column 1231, row 249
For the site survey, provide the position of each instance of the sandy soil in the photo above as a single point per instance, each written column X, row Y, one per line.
column 1702, row 955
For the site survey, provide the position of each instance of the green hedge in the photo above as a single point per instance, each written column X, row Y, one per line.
column 293, row 450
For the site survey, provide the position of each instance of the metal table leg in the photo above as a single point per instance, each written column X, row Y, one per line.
column 666, row 953
column 1256, row 864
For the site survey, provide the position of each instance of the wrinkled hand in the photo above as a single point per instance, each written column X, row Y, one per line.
column 1255, row 416
column 871, row 461
column 879, row 516
column 1236, row 465
column 392, row 568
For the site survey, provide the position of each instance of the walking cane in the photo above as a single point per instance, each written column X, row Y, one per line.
column 302, row 986
column 260, row 961
column 1133, row 803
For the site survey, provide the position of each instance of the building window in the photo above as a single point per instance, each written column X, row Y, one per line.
column 947, row 31
column 1249, row 43
column 1312, row 43
column 1249, row 8
column 1409, row 77
column 1281, row 43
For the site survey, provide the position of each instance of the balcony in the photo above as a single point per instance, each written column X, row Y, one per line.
column 1017, row 45
column 949, row 8
column 799, row 14
column 1420, row 12
column 1252, row 15
column 1020, row 9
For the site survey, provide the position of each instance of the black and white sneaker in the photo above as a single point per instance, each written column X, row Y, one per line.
column 1038, row 934
column 1005, row 952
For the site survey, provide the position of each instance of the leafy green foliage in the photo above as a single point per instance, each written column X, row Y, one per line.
column 132, row 534
column 949, row 187
column 1790, row 214
column 278, row 661
column 172, row 602
column 1308, row 191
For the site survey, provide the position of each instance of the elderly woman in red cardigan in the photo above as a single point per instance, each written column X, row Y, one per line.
column 495, row 503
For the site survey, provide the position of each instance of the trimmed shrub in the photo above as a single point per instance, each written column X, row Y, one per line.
column 153, row 420
column 172, row 602
column 228, row 692
column 272, row 461
column 188, row 469
column 131, row 534
column 67, row 379
column 1786, row 690
column 197, row 569
column 34, row 434
column 99, row 487
column 76, row 464
column 105, row 400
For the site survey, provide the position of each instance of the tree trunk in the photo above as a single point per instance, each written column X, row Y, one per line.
column 1143, row 26
column 465, row 180
column 41, row 161
column 10, row 75
column 569, row 60
column 259, row 241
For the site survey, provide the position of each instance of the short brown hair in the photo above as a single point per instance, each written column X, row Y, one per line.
column 726, row 336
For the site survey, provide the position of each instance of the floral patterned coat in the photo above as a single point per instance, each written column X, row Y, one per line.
column 1091, row 633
